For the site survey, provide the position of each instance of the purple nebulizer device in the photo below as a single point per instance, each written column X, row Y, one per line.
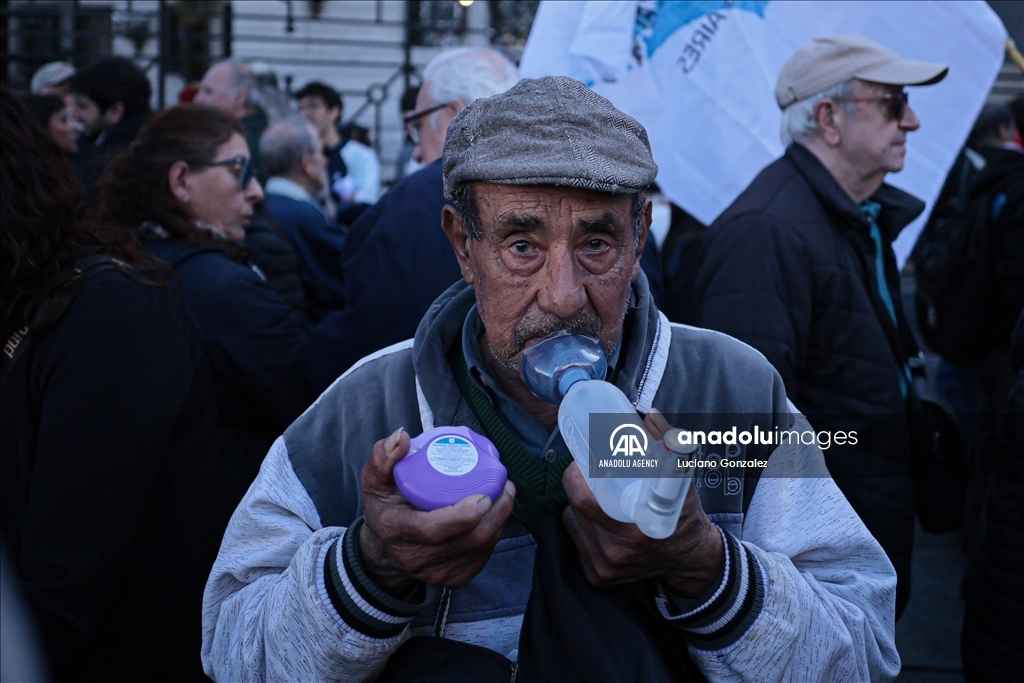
column 446, row 464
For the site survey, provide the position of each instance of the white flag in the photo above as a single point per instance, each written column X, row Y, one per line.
column 700, row 76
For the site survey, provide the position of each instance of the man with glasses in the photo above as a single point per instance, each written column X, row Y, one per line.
column 801, row 268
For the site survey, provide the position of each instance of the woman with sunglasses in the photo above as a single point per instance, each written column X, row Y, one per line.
column 187, row 186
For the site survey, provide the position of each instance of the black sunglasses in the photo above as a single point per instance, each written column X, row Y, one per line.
column 413, row 132
column 894, row 104
column 247, row 169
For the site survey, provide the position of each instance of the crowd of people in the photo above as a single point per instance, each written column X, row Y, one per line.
column 220, row 337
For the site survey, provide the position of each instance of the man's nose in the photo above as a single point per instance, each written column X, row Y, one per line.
column 417, row 153
column 562, row 292
column 909, row 120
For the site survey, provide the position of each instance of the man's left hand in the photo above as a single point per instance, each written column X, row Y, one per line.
column 689, row 561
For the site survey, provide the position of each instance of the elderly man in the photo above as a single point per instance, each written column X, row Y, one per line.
column 296, row 165
column 801, row 268
column 231, row 86
column 326, row 570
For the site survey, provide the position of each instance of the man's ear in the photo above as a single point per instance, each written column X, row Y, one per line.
column 305, row 163
column 114, row 113
column 455, row 228
column 456, row 106
column 645, row 227
column 826, row 116
column 238, row 103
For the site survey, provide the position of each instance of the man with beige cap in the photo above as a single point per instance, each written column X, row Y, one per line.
column 801, row 268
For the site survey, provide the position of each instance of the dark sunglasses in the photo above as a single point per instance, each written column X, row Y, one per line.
column 894, row 104
column 241, row 167
column 413, row 132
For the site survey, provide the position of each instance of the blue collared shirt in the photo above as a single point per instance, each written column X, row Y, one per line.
column 532, row 434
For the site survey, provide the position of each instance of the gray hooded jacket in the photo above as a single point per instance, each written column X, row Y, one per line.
column 809, row 594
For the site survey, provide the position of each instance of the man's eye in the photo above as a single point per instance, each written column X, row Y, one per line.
column 522, row 247
column 596, row 245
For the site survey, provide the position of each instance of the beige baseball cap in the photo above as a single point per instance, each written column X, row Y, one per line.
column 825, row 62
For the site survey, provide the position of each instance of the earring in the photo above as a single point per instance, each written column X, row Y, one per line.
column 184, row 200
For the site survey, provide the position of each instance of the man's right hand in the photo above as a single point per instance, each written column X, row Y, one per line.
column 400, row 545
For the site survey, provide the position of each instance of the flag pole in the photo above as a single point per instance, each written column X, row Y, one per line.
column 1015, row 55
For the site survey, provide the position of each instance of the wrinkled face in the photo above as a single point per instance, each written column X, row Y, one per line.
column 873, row 141
column 432, row 128
column 63, row 130
column 88, row 115
column 316, row 112
column 215, row 91
column 216, row 195
column 550, row 258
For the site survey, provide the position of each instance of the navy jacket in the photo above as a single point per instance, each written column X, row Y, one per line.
column 318, row 242
column 255, row 349
column 397, row 260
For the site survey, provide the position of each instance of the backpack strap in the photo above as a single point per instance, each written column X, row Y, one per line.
column 16, row 345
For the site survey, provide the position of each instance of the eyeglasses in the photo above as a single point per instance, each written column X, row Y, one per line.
column 412, row 132
column 895, row 104
column 241, row 167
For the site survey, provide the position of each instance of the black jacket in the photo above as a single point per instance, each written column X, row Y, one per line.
column 994, row 616
column 790, row 269
column 255, row 349
column 109, row 465
column 272, row 252
column 1002, row 180
column 94, row 155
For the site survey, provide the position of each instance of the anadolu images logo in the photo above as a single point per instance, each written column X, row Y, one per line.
column 628, row 440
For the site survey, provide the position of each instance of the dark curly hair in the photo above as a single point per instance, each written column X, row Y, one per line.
column 40, row 236
column 135, row 188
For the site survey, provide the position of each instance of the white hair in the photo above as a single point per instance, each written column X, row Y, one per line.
column 283, row 145
column 242, row 77
column 467, row 74
column 798, row 124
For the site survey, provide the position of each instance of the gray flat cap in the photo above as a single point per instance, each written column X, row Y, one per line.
column 548, row 131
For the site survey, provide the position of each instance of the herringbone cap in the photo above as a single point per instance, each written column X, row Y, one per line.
column 548, row 131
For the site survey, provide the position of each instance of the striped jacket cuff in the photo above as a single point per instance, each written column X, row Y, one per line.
column 730, row 610
column 361, row 603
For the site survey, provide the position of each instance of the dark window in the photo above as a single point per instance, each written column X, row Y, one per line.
column 35, row 33
column 511, row 21
column 435, row 22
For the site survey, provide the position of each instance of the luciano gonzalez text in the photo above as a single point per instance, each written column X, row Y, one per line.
column 628, row 454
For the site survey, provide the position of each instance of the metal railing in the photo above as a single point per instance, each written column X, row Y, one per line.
column 187, row 36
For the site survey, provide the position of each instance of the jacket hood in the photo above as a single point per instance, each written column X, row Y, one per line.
column 441, row 328
column 899, row 208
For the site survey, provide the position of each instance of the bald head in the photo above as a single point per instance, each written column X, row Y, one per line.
column 231, row 87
